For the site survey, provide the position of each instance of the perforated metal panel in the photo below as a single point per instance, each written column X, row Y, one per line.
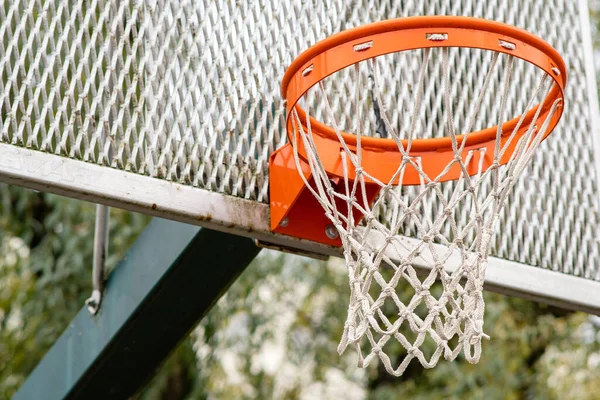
column 189, row 92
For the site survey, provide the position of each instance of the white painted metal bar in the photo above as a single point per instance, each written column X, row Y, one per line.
column 160, row 198
column 98, row 184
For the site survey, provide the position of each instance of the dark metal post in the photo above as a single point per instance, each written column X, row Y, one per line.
column 169, row 279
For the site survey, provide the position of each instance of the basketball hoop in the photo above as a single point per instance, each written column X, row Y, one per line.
column 385, row 160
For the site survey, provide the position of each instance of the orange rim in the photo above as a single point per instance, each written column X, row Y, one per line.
column 338, row 52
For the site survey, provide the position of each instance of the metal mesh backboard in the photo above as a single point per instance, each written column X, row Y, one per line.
column 173, row 108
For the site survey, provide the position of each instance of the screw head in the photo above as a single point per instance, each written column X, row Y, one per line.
column 331, row 232
column 284, row 222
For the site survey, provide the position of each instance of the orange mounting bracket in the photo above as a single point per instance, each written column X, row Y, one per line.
column 294, row 210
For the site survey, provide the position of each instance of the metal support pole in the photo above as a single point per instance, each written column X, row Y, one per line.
column 100, row 252
column 170, row 278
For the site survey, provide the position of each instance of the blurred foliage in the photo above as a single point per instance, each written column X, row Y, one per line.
column 46, row 244
column 595, row 25
column 595, row 19
column 274, row 334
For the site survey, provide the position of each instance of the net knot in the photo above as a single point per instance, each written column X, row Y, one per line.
column 477, row 332
column 477, row 328
column 436, row 309
column 414, row 351
column 388, row 291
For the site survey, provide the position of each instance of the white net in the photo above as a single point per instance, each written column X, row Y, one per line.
column 439, row 313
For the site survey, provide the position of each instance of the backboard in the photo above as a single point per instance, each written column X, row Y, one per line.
column 172, row 108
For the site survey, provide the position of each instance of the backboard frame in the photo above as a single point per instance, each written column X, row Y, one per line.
column 160, row 198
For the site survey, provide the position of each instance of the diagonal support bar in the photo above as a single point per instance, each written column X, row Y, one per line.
column 170, row 278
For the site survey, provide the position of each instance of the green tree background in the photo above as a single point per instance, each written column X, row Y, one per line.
column 274, row 334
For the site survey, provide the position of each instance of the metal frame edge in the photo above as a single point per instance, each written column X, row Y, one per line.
column 134, row 192
column 161, row 198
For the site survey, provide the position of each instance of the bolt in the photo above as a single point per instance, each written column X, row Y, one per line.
column 284, row 222
column 331, row 232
